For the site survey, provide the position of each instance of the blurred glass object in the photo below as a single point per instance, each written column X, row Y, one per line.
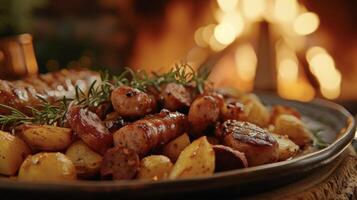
column 17, row 57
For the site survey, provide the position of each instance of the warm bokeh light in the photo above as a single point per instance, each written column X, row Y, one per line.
column 215, row 45
column 208, row 32
column 199, row 38
column 224, row 33
column 285, row 10
column 323, row 68
column 312, row 51
column 235, row 20
column 253, row 9
column 227, row 5
column 306, row 23
column 246, row 62
column 288, row 70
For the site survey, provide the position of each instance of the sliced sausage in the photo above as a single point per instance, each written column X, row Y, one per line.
column 258, row 145
column 89, row 128
column 120, row 163
column 228, row 158
column 131, row 102
column 175, row 97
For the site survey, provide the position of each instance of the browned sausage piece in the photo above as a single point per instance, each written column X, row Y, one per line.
column 149, row 133
column 120, row 163
column 204, row 113
column 175, row 97
column 233, row 110
column 90, row 129
column 228, row 158
column 258, row 145
column 131, row 102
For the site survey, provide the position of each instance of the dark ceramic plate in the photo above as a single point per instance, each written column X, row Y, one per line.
column 332, row 122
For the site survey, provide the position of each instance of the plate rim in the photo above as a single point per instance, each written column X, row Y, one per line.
column 326, row 154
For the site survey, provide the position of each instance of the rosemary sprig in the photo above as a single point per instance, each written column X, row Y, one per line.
column 99, row 92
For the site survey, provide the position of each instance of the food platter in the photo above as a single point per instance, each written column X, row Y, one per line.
column 339, row 132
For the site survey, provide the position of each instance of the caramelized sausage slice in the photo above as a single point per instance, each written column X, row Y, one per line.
column 89, row 128
column 131, row 102
column 120, row 163
column 228, row 158
column 204, row 113
column 149, row 133
column 175, row 97
column 258, row 145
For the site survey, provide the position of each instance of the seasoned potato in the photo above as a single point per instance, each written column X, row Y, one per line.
column 287, row 148
column 45, row 137
column 197, row 159
column 174, row 148
column 155, row 167
column 256, row 112
column 280, row 110
column 47, row 167
column 12, row 152
column 86, row 161
column 294, row 128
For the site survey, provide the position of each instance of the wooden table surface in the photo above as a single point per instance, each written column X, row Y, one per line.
column 337, row 180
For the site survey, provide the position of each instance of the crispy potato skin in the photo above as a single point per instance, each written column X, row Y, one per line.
column 280, row 110
column 228, row 158
column 132, row 103
column 258, row 145
column 294, row 128
column 155, row 167
column 90, row 129
column 173, row 149
column 204, row 113
column 86, row 161
column 197, row 159
column 120, row 163
column 255, row 111
column 47, row 167
column 152, row 132
column 13, row 151
column 287, row 148
column 45, row 137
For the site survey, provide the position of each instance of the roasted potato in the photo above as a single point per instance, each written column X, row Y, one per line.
column 86, row 161
column 45, row 137
column 287, row 148
column 47, row 167
column 155, row 167
column 13, row 151
column 280, row 110
column 294, row 128
column 197, row 159
column 255, row 111
column 173, row 149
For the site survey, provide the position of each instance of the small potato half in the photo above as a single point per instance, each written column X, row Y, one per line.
column 287, row 148
column 294, row 128
column 197, row 159
column 155, row 167
column 256, row 112
column 47, row 167
column 12, row 152
column 86, row 161
column 45, row 137
column 175, row 147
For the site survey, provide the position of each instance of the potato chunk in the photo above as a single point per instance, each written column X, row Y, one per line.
column 174, row 148
column 86, row 161
column 155, row 167
column 197, row 159
column 45, row 137
column 12, row 152
column 256, row 112
column 294, row 128
column 47, row 167
column 287, row 148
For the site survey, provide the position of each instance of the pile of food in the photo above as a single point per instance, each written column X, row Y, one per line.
column 74, row 124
